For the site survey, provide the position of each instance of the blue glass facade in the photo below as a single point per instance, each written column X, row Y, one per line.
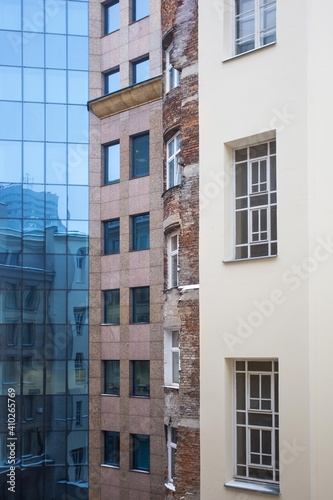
column 44, row 249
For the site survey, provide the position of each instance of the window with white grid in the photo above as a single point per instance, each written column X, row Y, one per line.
column 255, row 24
column 172, row 159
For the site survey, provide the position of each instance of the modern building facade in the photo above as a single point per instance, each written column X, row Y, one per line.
column 44, row 249
column 265, row 249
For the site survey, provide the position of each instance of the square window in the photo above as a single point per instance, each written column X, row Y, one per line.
column 140, row 378
column 112, row 377
column 140, row 70
column 172, row 160
column 173, row 259
column 111, row 236
column 112, row 163
column 140, row 155
column 140, row 452
column 112, row 448
column 140, row 305
column 255, row 201
column 111, row 17
column 112, row 307
column 172, row 74
column 112, row 81
column 255, row 24
column 140, row 9
column 257, row 421
column 140, row 232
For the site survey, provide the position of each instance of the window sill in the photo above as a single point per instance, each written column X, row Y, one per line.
column 231, row 261
column 110, row 466
column 112, row 395
column 171, row 387
column 140, row 471
column 270, row 489
column 170, row 486
column 236, row 56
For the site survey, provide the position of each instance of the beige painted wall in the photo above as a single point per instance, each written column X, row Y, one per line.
column 284, row 89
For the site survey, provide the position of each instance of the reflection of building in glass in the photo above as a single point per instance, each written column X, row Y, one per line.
column 44, row 249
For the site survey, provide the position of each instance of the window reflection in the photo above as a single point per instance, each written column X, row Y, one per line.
column 56, row 163
column 77, row 164
column 33, row 16
column 56, row 85
column 10, row 162
column 56, row 129
column 33, row 52
column 77, row 52
column 77, row 124
column 10, row 83
column 33, row 121
column 78, row 202
column 77, row 87
column 55, row 51
column 11, row 128
column 33, row 162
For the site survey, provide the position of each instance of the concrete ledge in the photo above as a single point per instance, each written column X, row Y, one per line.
column 271, row 489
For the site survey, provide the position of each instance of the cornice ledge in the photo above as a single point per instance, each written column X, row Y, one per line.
column 127, row 98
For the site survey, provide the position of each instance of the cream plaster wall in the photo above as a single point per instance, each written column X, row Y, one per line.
column 283, row 89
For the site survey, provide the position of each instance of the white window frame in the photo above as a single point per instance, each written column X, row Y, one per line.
column 258, row 202
column 172, row 75
column 171, row 354
column 245, row 419
column 173, row 260
column 171, row 445
column 172, row 159
column 259, row 31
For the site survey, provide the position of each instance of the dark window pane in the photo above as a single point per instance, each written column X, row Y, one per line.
column 112, row 448
column 241, row 227
column 112, row 377
column 140, row 378
column 111, row 236
column 111, row 17
column 140, row 9
column 241, row 445
column 141, row 452
column 260, row 366
column 140, row 155
column 140, row 305
column 140, row 232
column 240, row 389
column 260, row 419
column 111, row 307
column 259, row 150
column 241, row 179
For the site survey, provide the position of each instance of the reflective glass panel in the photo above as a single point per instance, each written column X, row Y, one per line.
column 56, row 206
column 77, row 164
column 78, row 202
column 77, row 87
column 33, row 16
column 33, row 162
column 10, row 14
column 11, row 128
column 78, row 375
column 55, row 51
column 78, row 118
column 33, row 52
column 77, row 18
column 10, row 83
column 56, row 163
column 33, row 122
column 55, row 20
column 10, row 161
column 33, row 84
column 77, row 52
column 11, row 48
column 56, row 306
column 56, row 122
column 56, row 85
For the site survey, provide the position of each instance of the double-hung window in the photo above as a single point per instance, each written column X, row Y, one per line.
column 172, row 160
column 255, row 201
column 255, row 24
column 172, row 74
column 257, row 421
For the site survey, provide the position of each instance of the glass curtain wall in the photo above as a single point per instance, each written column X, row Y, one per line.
column 44, row 249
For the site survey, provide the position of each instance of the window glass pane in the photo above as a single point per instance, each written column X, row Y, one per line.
column 112, row 377
column 55, row 379
column 140, row 232
column 78, row 374
column 11, row 48
column 10, row 14
column 112, row 307
column 241, row 180
column 56, row 129
column 140, row 305
column 77, row 18
column 55, row 49
column 33, row 84
column 56, row 86
column 258, row 150
column 241, row 445
column 240, row 391
column 11, row 128
column 56, row 163
column 78, row 202
column 141, row 452
column 56, row 303
column 273, row 224
column 78, row 118
column 140, row 9
column 141, row 70
column 111, row 20
column 10, row 161
column 56, row 205
column 55, row 21
column 241, row 228
column 112, row 81
column 77, row 87
column 33, row 122
column 77, row 164
column 77, row 52
column 245, row 26
column 33, row 162
column 112, row 162
column 33, row 16
column 111, row 236
column 245, row 46
column 112, row 448
column 33, row 52
column 175, row 367
column 140, row 155
column 140, row 378
column 10, row 83
column 244, row 6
